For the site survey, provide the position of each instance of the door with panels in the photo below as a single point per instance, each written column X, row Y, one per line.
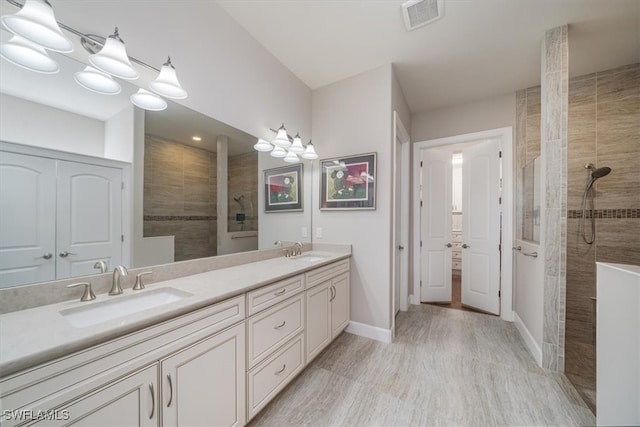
column 57, row 218
column 27, row 219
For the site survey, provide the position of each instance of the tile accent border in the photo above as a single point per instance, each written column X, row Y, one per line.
column 605, row 213
column 180, row 218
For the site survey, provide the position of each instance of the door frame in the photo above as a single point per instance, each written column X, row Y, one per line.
column 505, row 135
column 402, row 166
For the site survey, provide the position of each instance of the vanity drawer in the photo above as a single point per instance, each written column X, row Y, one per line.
column 267, row 296
column 271, row 376
column 271, row 328
column 319, row 275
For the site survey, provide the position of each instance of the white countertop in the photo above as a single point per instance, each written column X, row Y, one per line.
column 37, row 335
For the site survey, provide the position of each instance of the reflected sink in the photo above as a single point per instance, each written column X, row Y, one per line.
column 310, row 258
column 121, row 306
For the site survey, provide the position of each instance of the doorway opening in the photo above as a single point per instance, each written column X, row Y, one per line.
column 463, row 217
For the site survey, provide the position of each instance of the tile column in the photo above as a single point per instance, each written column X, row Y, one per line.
column 554, row 97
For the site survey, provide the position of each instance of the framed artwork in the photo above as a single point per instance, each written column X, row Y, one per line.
column 283, row 189
column 348, row 182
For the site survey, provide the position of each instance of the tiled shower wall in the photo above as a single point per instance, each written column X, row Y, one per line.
column 180, row 190
column 243, row 185
column 603, row 129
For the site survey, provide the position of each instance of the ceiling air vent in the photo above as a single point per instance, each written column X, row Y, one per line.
column 417, row 13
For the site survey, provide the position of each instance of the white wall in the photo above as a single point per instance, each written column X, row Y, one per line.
column 25, row 122
column 350, row 117
column 490, row 113
column 119, row 135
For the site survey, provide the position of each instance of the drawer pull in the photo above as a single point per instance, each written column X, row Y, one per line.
column 280, row 326
column 170, row 390
column 281, row 370
column 153, row 400
column 280, row 292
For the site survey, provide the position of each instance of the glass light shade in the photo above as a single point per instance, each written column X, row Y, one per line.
column 112, row 59
column 25, row 54
column 297, row 146
column 167, row 84
column 37, row 23
column 148, row 101
column 262, row 145
column 279, row 152
column 309, row 153
column 291, row 157
column 281, row 139
column 97, row 81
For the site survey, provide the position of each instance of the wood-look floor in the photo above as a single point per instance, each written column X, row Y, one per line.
column 445, row 367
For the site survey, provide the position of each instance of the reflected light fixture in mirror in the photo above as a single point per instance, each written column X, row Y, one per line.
column 148, row 101
column 97, row 81
column 21, row 52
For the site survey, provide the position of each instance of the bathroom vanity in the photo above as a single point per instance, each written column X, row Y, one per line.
column 215, row 351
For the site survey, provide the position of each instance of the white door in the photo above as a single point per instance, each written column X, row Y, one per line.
column 398, row 244
column 27, row 219
column 435, row 233
column 89, row 218
column 481, row 226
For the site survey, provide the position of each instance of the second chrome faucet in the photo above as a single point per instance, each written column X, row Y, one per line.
column 118, row 272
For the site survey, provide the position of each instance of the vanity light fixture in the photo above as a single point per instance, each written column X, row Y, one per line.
column 23, row 53
column 290, row 151
column 36, row 22
column 35, row 29
column 282, row 138
column 113, row 59
column 167, row 84
column 97, row 81
column 148, row 101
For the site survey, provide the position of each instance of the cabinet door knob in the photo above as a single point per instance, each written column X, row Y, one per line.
column 448, row 245
column 48, row 255
column 65, row 254
column 465, row 246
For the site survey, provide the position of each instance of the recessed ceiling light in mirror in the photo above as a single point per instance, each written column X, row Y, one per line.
column 196, row 138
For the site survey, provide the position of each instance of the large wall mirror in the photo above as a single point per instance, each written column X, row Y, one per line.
column 189, row 197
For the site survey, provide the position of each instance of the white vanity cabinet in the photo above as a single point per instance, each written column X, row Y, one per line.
column 200, row 385
column 327, row 306
column 131, row 401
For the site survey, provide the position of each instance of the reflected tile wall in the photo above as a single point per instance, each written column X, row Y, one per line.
column 243, row 185
column 180, row 196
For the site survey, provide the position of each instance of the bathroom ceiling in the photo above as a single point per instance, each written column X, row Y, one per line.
column 481, row 48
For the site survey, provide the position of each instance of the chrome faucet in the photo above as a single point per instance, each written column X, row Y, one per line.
column 118, row 272
column 297, row 249
column 101, row 265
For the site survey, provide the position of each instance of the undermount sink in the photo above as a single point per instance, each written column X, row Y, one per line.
column 121, row 306
column 310, row 258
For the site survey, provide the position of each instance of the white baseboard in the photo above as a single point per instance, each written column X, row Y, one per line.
column 368, row 331
column 531, row 343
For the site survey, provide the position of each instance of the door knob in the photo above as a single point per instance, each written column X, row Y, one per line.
column 448, row 245
column 48, row 255
column 65, row 254
column 465, row 246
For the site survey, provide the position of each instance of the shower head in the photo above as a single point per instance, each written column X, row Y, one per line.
column 598, row 173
